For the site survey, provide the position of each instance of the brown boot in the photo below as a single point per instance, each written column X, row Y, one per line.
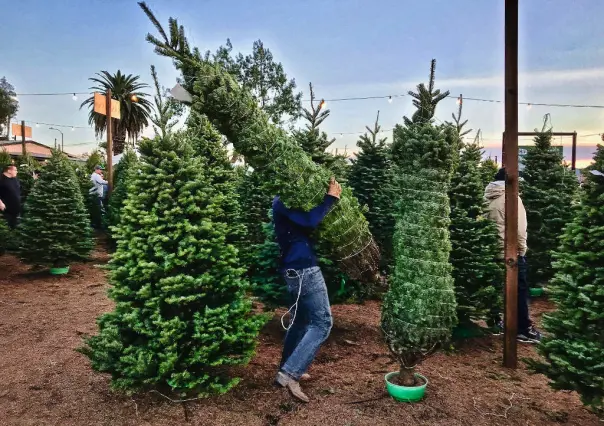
column 292, row 386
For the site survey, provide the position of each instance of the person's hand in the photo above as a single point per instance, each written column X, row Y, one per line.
column 2, row 206
column 335, row 190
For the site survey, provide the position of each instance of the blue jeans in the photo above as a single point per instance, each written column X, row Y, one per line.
column 312, row 322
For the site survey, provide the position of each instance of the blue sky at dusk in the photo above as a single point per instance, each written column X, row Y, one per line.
column 346, row 48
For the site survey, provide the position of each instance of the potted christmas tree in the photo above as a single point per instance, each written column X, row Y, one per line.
column 182, row 318
column 418, row 312
column 55, row 230
column 573, row 347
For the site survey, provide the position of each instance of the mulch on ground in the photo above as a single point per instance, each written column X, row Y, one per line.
column 46, row 382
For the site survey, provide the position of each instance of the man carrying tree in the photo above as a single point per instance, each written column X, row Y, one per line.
column 10, row 195
column 311, row 320
column 495, row 196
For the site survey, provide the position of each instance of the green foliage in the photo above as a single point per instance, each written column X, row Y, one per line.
column 97, row 158
column 122, row 177
column 7, row 237
column 5, row 159
column 573, row 348
column 548, row 191
column 26, row 166
column 301, row 182
column 425, row 99
column 475, row 242
column 166, row 109
column 418, row 311
column 91, row 202
column 181, row 315
column 134, row 111
column 8, row 104
column 371, row 182
column 266, row 79
column 55, row 230
column 488, row 170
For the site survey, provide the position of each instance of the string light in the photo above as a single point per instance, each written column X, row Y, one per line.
column 341, row 135
column 322, row 105
column 37, row 125
column 458, row 101
column 529, row 106
column 72, row 129
column 134, row 98
column 389, row 99
column 74, row 97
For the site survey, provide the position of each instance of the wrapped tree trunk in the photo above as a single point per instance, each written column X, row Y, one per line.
column 301, row 183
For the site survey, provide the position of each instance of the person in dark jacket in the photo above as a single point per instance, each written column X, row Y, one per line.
column 10, row 195
column 310, row 315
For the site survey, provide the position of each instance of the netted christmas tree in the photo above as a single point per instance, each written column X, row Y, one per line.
column 573, row 347
column 475, row 242
column 181, row 318
column 548, row 190
column 418, row 312
column 55, row 230
column 488, row 170
column 300, row 182
column 123, row 174
column 371, row 183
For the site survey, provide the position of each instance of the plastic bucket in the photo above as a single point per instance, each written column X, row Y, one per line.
column 406, row 393
column 59, row 271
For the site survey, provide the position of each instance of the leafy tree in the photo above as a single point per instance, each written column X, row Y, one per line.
column 236, row 114
column 135, row 108
column 548, row 190
column 419, row 309
column 9, row 105
column 167, row 109
column 265, row 78
column 573, row 347
column 5, row 159
column 371, row 183
column 55, row 230
column 123, row 174
column 181, row 315
column 474, row 240
column 488, row 170
column 97, row 158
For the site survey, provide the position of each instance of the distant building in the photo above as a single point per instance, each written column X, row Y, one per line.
column 37, row 150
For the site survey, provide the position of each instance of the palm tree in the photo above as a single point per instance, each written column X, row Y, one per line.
column 135, row 109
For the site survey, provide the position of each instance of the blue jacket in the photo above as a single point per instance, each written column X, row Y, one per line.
column 293, row 229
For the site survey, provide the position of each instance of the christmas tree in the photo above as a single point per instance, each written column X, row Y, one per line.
column 91, row 202
column 475, row 242
column 122, row 177
column 5, row 159
column 235, row 113
column 418, row 312
column 573, row 347
column 55, row 230
column 181, row 315
column 488, row 170
column 6, row 236
column 371, row 183
column 548, row 190
column 26, row 166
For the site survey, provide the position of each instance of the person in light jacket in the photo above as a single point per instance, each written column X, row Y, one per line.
column 495, row 198
column 99, row 185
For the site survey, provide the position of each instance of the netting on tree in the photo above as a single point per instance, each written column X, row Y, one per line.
column 300, row 182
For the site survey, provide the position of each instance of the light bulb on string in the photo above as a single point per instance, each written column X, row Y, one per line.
column 72, row 129
column 37, row 125
column 323, row 104
column 341, row 135
column 74, row 97
column 389, row 99
column 529, row 106
column 458, row 101
column 134, row 98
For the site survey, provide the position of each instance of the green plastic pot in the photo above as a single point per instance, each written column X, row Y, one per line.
column 59, row 271
column 536, row 291
column 406, row 393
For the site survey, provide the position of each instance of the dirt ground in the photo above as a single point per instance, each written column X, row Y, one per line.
column 44, row 381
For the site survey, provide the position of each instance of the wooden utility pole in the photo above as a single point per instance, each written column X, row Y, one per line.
column 109, row 143
column 574, row 152
column 23, row 147
column 510, row 159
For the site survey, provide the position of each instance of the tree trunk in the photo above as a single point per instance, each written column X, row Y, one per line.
column 407, row 376
column 119, row 142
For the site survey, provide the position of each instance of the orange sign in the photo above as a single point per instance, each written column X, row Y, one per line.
column 100, row 106
column 15, row 129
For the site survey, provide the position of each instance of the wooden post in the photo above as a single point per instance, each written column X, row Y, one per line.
column 109, row 143
column 574, row 152
column 23, row 147
column 510, row 159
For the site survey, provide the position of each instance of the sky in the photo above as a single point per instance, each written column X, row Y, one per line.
column 346, row 48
